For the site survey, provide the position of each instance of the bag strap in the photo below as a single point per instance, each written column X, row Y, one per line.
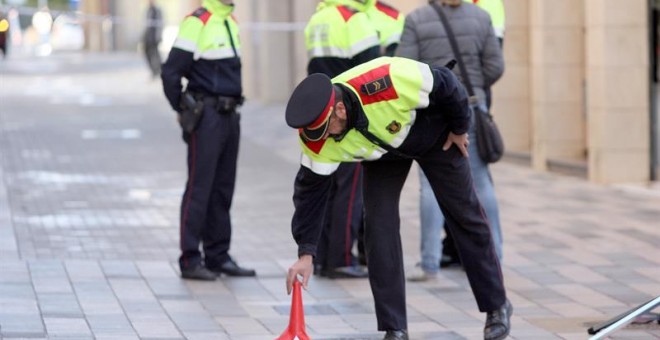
column 374, row 139
column 454, row 47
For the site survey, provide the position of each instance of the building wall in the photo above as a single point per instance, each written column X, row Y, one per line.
column 618, row 91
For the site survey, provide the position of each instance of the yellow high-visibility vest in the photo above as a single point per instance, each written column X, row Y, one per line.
column 496, row 10
column 390, row 89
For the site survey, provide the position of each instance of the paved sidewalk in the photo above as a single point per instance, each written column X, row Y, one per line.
column 91, row 172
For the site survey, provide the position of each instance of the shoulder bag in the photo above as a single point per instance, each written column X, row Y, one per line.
column 489, row 140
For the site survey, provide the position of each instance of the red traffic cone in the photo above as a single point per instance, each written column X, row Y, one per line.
column 296, row 329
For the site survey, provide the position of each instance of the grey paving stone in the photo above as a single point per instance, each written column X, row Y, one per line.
column 21, row 325
column 110, row 324
column 67, row 327
column 222, row 305
column 59, row 305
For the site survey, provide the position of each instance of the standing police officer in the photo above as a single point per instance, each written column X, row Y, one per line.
column 387, row 113
column 206, row 53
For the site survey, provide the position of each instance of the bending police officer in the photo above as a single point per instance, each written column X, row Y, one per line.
column 387, row 113
column 207, row 53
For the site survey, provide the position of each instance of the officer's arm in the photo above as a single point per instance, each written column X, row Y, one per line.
column 309, row 199
column 176, row 67
column 451, row 98
column 181, row 59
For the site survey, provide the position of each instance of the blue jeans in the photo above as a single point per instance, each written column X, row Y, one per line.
column 432, row 220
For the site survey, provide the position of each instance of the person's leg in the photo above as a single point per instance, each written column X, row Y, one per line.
column 202, row 160
column 483, row 184
column 345, row 214
column 217, row 235
column 322, row 248
column 431, row 221
column 383, row 181
column 449, row 174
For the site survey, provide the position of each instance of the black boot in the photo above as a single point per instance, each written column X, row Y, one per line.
column 230, row 268
column 498, row 322
column 396, row 335
column 198, row 272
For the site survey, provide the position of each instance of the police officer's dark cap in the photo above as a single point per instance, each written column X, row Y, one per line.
column 310, row 106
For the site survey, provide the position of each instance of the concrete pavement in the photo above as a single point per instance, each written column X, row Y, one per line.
column 91, row 172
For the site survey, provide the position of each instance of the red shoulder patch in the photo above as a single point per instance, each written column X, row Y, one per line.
column 314, row 146
column 346, row 12
column 387, row 9
column 202, row 13
column 375, row 85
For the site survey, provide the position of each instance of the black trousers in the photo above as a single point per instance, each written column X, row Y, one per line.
column 449, row 175
column 342, row 218
column 212, row 156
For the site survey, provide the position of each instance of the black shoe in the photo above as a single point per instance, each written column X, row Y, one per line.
column 396, row 335
column 447, row 261
column 350, row 272
column 230, row 268
column 498, row 323
column 199, row 272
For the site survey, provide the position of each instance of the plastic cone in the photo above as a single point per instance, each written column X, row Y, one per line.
column 296, row 329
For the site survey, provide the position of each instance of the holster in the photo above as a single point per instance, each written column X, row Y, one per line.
column 191, row 112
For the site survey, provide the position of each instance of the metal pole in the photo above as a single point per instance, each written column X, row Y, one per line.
column 627, row 319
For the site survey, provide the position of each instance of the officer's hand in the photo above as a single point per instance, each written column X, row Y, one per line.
column 461, row 142
column 303, row 267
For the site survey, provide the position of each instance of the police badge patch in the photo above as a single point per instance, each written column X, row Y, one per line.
column 394, row 127
column 375, row 86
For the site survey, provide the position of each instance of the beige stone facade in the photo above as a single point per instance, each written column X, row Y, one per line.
column 575, row 93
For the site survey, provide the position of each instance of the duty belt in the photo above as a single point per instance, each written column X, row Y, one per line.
column 223, row 104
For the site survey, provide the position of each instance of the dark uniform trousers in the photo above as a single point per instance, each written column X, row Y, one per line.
column 449, row 175
column 212, row 156
column 342, row 218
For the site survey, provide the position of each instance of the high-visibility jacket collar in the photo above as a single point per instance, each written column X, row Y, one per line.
column 360, row 5
column 217, row 8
